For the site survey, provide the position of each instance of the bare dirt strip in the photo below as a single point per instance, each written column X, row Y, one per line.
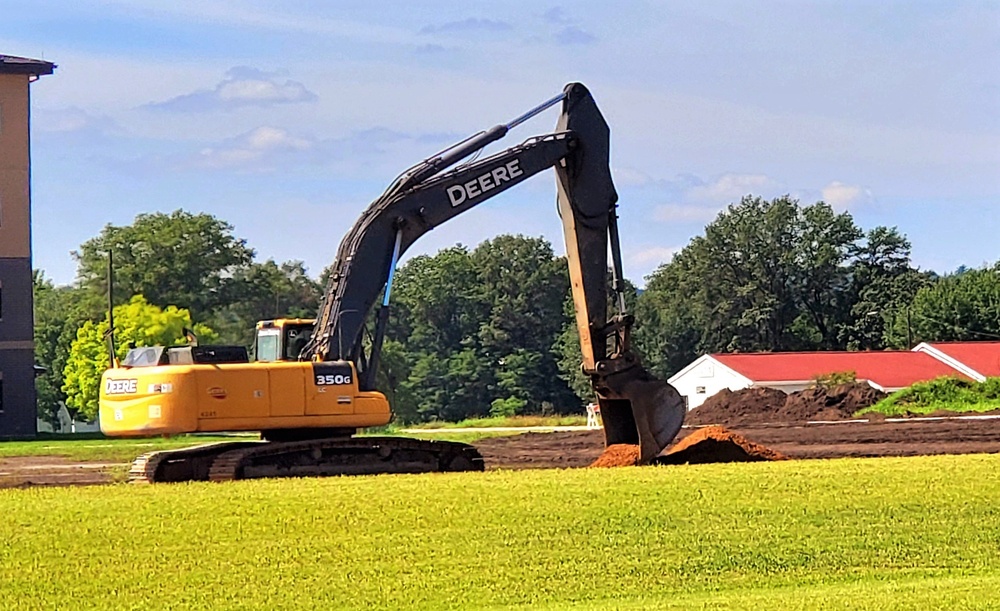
column 571, row 449
column 828, row 440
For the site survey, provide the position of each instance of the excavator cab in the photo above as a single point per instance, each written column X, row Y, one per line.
column 282, row 339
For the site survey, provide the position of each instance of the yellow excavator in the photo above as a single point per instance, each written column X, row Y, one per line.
column 312, row 383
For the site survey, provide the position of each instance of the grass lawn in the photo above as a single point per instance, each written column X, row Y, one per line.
column 890, row 533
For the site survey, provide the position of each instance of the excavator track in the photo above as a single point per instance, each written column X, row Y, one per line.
column 321, row 457
column 354, row 456
column 183, row 465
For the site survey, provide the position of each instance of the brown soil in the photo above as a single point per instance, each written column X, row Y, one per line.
column 850, row 438
column 744, row 406
column 714, row 444
column 618, row 455
column 760, row 405
column 943, row 413
column 28, row 471
column 837, row 403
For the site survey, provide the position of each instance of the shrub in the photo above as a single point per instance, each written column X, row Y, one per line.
column 947, row 393
column 835, row 378
column 505, row 408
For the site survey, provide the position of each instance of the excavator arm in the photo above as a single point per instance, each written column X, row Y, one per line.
column 636, row 408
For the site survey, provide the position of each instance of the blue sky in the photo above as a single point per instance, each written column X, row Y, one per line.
column 287, row 118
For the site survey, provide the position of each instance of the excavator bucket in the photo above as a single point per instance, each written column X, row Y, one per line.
column 645, row 411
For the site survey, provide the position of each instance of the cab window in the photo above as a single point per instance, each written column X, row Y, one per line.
column 268, row 344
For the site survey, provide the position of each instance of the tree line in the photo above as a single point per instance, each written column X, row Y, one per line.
column 490, row 330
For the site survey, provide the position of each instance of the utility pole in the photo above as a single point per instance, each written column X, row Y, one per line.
column 909, row 334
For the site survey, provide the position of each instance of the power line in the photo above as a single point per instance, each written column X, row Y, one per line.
column 957, row 327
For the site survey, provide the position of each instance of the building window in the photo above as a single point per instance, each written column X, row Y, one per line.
column 1, row 394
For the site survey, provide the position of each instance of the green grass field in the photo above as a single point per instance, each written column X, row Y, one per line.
column 909, row 533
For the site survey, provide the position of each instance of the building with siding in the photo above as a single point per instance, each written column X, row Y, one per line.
column 17, row 350
column 887, row 371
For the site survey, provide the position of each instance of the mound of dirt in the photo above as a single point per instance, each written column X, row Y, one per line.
column 715, row 444
column 745, row 406
column 618, row 455
column 836, row 403
column 767, row 405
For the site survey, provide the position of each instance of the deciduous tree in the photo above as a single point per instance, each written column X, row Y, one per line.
column 177, row 258
column 138, row 322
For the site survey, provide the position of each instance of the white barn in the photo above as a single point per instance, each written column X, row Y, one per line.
column 792, row 371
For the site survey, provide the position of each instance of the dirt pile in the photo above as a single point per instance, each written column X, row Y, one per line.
column 767, row 405
column 618, row 455
column 711, row 444
column 715, row 444
column 745, row 406
column 835, row 403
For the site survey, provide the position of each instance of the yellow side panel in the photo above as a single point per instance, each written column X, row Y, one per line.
column 288, row 388
column 148, row 401
column 232, row 391
column 330, row 388
column 372, row 403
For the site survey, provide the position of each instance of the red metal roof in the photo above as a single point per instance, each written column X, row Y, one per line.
column 890, row 369
column 984, row 357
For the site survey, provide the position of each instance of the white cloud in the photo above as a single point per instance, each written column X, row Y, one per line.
column 685, row 213
column 469, row 25
column 654, row 254
column 730, row 188
column 572, row 35
column 631, row 177
column 693, row 199
column 843, row 196
column 242, row 86
column 253, row 147
column 74, row 122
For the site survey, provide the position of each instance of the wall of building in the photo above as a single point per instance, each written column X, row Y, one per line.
column 704, row 378
column 17, row 384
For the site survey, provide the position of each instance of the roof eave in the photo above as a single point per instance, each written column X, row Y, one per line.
column 24, row 65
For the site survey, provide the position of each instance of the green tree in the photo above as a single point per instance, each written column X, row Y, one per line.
column 181, row 257
column 474, row 327
column 435, row 369
column 58, row 313
column 884, row 283
column 263, row 291
column 525, row 286
column 669, row 326
column 769, row 276
column 137, row 322
column 964, row 306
